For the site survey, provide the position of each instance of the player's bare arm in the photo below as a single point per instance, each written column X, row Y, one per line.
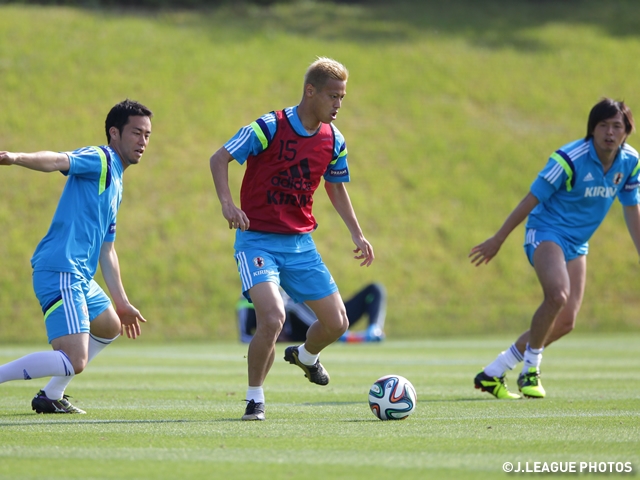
column 130, row 316
column 632, row 219
column 340, row 200
column 484, row 252
column 219, row 165
column 40, row 161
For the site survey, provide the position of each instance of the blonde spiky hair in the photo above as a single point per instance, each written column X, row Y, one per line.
column 324, row 69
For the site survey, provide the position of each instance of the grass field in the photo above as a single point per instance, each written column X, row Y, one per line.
column 172, row 411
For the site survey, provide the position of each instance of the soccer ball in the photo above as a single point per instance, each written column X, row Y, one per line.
column 392, row 397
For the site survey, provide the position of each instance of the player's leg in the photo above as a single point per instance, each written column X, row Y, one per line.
column 269, row 320
column 307, row 279
column 376, row 310
column 45, row 364
column 67, row 324
column 331, row 324
column 246, row 319
column 260, row 277
column 269, row 310
column 492, row 378
column 553, row 275
column 372, row 302
column 104, row 329
column 566, row 319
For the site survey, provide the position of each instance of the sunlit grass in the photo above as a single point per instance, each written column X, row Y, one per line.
column 157, row 411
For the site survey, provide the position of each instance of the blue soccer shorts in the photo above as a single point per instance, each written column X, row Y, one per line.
column 69, row 302
column 303, row 275
column 534, row 237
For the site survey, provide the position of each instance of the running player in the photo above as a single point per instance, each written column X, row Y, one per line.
column 288, row 153
column 566, row 204
column 78, row 315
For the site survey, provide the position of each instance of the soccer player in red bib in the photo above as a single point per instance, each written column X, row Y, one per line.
column 287, row 154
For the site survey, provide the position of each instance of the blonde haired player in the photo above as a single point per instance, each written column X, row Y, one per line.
column 287, row 154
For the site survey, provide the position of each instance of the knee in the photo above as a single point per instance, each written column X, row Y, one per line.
column 78, row 364
column 270, row 325
column 78, row 368
column 344, row 326
column 379, row 289
column 340, row 326
column 557, row 298
column 107, row 324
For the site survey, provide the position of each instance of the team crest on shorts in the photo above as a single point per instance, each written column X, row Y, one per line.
column 258, row 262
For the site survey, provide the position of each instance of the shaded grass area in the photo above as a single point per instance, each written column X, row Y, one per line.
column 158, row 411
column 452, row 109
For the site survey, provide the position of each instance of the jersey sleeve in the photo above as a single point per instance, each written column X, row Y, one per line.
column 88, row 162
column 338, row 170
column 111, row 233
column 629, row 194
column 253, row 138
column 557, row 174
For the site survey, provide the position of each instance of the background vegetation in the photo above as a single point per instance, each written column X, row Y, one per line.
column 452, row 109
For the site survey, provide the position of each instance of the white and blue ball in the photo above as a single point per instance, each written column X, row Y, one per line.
column 392, row 397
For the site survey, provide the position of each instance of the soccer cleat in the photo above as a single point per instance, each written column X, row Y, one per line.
column 254, row 411
column 315, row 373
column 43, row 404
column 496, row 386
column 529, row 384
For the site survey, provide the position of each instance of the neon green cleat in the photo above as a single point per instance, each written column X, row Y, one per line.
column 496, row 386
column 529, row 384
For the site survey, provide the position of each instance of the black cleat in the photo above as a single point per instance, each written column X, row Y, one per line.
column 315, row 373
column 254, row 411
column 43, row 404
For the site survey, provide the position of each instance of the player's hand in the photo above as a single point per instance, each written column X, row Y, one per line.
column 363, row 251
column 8, row 158
column 484, row 252
column 130, row 318
column 235, row 216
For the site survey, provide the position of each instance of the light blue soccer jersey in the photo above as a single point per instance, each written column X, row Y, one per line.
column 86, row 214
column 252, row 140
column 575, row 194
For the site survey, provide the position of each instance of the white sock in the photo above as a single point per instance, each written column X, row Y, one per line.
column 507, row 360
column 37, row 365
column 306, row 357
column 256, row 394
column 57, row 385
column 532, row 358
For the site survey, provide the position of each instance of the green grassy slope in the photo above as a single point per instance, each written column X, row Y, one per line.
column 451, row 111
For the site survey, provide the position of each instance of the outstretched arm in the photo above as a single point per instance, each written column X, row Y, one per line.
column 129, row 315
column 40, row 161
column 219, row 165
column 340, row 200
column 632, row 218
column 488, row 249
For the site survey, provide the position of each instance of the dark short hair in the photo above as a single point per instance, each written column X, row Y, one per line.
column 608, row 108
column 119, row 115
